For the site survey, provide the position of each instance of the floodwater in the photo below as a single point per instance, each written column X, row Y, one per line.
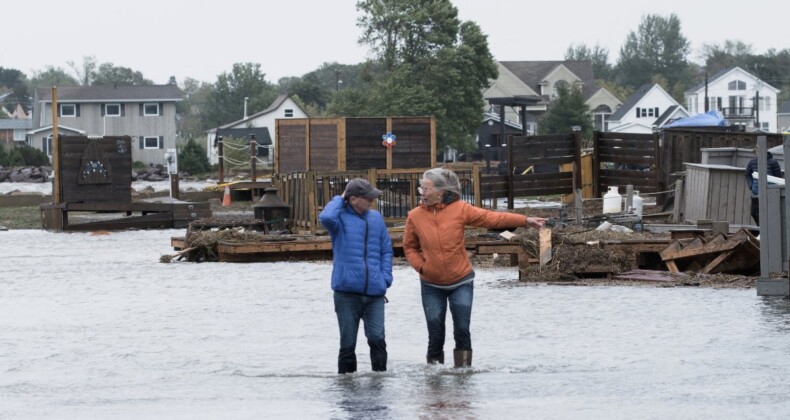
column 93, row 326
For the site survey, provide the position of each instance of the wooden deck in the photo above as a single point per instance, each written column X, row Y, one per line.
column 155, row 215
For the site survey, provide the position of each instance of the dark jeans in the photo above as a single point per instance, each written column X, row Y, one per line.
column 434, row 303
column 350, row 308
column 756, row 210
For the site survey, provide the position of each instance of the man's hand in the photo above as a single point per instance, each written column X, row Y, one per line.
column 535, row 222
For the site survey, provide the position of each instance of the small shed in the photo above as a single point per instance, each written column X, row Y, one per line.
column 95, row 169
column 730, row 156
column 347, row 144
column 717, row 192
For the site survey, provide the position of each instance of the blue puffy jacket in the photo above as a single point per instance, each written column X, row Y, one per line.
column 362, row 249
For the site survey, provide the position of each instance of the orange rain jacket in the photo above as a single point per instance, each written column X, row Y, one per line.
column 433, row 239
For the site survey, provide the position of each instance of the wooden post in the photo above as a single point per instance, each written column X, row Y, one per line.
column 545, row 246
column 677, row 211
column 433, row 142
column 307, row 145
column 372, row 179
column 596, row 165
column 629, row 197
column 389, row 149
column 174, row 192
column 341, row 144
column 221, row 157
column 762, row 194
column 476, row 184
column 578, row 207
column 660, row 186
column 57, row 195
column 311, row 196
column 510, row 170
column 254, row 160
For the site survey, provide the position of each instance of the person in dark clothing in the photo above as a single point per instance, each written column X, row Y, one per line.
column 361, row 271
column 773, row 169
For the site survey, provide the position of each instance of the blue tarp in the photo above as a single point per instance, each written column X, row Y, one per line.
column 708, row 119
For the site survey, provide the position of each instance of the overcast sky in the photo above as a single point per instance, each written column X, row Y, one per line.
column 203, row 38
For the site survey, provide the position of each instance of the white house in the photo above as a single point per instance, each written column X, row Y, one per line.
column 649, row 106
column 734, row 92
column 260, row 124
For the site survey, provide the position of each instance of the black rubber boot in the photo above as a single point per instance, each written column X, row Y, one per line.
column 347, row 361
column 462, row 358
column 436, row 359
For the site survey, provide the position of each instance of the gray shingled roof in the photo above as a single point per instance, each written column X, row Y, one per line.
column 16, row 123
column 630, row 102
column 663, row 118
column 262, row 136
column 533, row 72
column 112, row 93
column 784, row 108
column 276, row 104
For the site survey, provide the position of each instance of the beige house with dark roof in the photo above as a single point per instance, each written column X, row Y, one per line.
column 146, row 113
column 541, row 79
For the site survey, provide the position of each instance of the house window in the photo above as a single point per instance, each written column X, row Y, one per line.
column 736, row 85
column 151, row 110
column 68, row 110
column 47, row 146
column 289, row 113
column 764, row 126
column 112, row 110
column 19, row 135
column 151, row 142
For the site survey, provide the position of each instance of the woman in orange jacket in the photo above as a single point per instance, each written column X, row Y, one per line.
column 433, row 242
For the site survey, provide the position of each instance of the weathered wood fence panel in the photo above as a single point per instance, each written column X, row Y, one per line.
column 620, row 159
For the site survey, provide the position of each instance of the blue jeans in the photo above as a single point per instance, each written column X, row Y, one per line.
column 434, row 303
column 350, row 308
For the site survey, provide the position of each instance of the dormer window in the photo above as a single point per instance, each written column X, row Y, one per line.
column 736, row 85
column 289, row 113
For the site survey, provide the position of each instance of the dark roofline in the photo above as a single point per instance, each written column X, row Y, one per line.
column 632, row 100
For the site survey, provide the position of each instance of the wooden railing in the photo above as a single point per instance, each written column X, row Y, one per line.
column 308, row 192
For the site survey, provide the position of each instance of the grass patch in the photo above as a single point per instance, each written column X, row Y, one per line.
column 27, row 217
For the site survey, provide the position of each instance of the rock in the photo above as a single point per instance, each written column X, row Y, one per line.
column 155, row 178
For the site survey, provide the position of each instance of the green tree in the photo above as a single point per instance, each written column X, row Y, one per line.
column 192, row 158
column 597, row 55
column 15, row 81
column 568, row 110
column 193, row 123
column 732, row 53
column 226, row 101
column 52, row 76
column 25, row 155
column 109, row 74
column 431, row 64
column 3, row 156
column 657, row 48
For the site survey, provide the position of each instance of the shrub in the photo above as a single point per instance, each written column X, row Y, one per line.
column 193, row 159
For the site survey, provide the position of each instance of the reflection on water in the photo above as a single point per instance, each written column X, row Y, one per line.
column 96, row 327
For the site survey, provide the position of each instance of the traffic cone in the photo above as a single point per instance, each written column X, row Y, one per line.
column 226, row 197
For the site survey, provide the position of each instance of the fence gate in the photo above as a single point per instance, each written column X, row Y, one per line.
column 620, row 159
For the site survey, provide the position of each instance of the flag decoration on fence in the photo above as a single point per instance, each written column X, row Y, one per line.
column 388, row 140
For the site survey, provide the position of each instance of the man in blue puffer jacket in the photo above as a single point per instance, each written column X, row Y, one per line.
column 361, row 272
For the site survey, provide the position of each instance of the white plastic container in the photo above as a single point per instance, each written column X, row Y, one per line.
column 638, row 204
column 612, row 201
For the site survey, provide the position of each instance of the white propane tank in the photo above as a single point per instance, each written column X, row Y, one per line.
column 639, row 204
column 612, row 201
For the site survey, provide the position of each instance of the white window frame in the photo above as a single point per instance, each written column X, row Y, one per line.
column 19, row 135
column 145, row 109
column 107, row 110
column 145, row 142
column 63, row 108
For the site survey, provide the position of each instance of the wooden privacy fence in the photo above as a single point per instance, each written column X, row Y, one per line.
column 683, row 145
column 308, row 192
column 620, row 159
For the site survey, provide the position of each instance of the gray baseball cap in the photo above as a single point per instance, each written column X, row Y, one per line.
column 359, row 187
